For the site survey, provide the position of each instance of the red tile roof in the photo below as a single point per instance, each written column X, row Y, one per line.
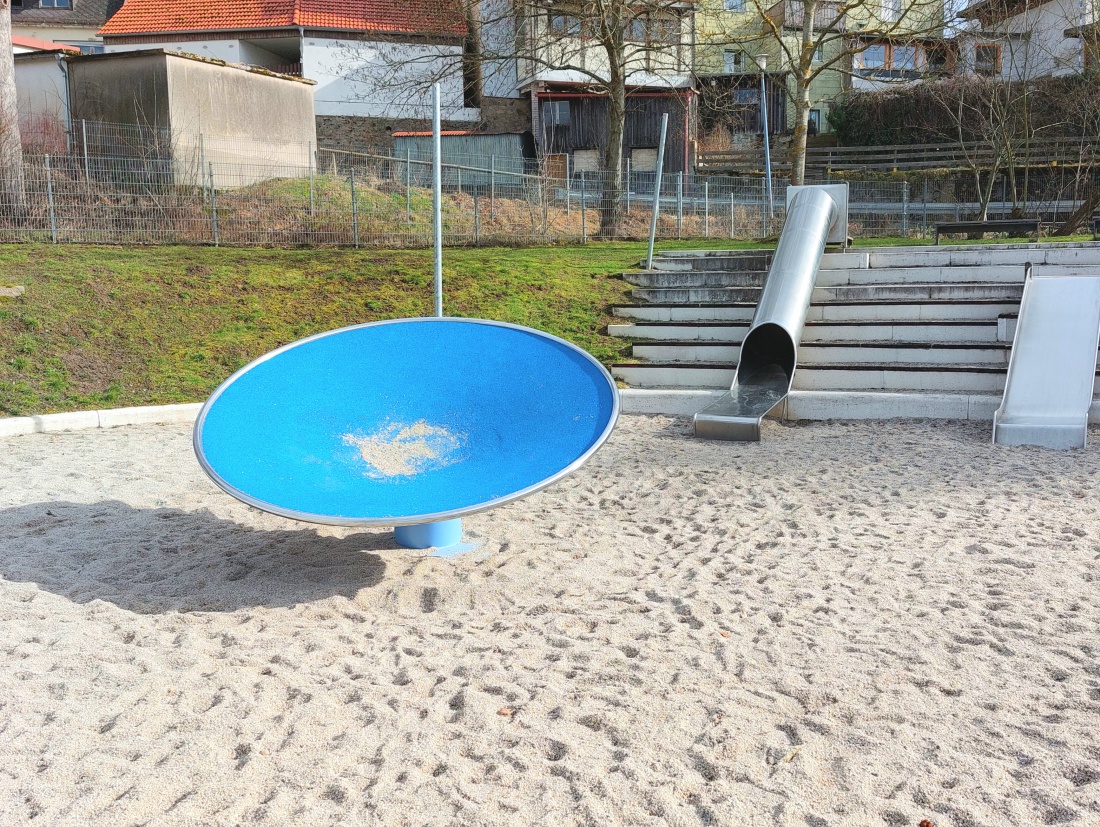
column 41, row 45
column 144, row 17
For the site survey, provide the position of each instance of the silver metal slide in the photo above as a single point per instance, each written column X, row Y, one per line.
column 1052, row 369
column 815, row 216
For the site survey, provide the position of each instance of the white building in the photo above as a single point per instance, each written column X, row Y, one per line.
column 1024, row 39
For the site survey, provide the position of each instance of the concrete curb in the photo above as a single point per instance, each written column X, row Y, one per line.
column 81, row 420
column 800, row 405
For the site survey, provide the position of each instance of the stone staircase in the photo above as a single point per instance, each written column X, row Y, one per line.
column 915, row 321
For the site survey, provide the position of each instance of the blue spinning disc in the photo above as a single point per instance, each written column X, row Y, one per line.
column 406, row 421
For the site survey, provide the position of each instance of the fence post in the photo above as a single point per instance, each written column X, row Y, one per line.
column 905, row 208
column 84, row 143
column 706, row 207
column 408, row 185
column 924, row 209
column 202, row 167
column 584, row 212
column 49, row 198
column 213, row 205
column 628, row 186
column 311, row 203
column 680, row 204
column 567, row 185
column 354, row 211
column 477, row 221
column 492, row 187
column 733, row 229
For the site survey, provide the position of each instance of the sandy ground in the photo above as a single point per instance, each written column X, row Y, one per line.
column 847, row 624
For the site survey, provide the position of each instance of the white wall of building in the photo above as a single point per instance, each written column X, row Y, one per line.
column 42, row 91
column 1033, row 42
column 227, row 50
column 384, row 80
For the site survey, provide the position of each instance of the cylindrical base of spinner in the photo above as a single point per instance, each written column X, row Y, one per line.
column 429, row 535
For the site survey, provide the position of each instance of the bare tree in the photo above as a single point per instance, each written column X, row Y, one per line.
column 606, row 46
column 809, row 38
column 12, row 191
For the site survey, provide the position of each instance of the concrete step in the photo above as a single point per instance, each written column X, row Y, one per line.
column 867, row 293
column 698, row 278
column 942, row 354
column 897, row 311
column 862, row 377
column 1048, row 253
column 817, row 331
column 681, row 260
column 736, row 311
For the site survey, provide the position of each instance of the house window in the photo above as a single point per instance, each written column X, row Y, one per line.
column 732, row 61
column 987, row 58
column 819, row 53
column 814, row 122
column 873, row 57
column 734, row 5
column 904, row 58
column 55, row 4
column 565, row 24
column 636, row 30
column 559, row 113
column 939, row 59
column 664, row 29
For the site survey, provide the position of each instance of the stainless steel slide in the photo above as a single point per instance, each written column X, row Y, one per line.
column 769, row 353
column 1052, row 369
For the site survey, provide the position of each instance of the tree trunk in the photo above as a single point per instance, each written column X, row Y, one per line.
column 612, row 206
column 1080, row 215
column 12, row 190
column 801, row 129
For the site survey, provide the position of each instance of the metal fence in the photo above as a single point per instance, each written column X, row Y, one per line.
column 103, row 184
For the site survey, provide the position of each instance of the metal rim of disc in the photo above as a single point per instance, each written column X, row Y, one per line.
column 413, row 519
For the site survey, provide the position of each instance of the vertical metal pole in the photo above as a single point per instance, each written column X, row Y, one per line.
column 49, row 198
column 628, row 186
column 354, row 210
column 657, row 191
column 213, row 205
column 680, row 204
column 584, row 212
column 492, row 187
column 924, row 209
column 764, row 213
column 437, row 199
column 408, row 185
column 905, row 208
column 477, row 221
column 767, row 145
column 311, row 201
column 733, row 229
column 706, row 208
column 202, row 167
column 84, row 142
column 567, row 185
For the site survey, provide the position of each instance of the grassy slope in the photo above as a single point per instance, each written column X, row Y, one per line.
column 116, row 326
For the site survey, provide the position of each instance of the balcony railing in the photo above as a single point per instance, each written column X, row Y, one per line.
column 790, row 14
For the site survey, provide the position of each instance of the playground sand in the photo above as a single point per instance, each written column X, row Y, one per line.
column 847, row 624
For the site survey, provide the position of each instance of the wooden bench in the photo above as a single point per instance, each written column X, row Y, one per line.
column 1095, row 227
column 1011, row 226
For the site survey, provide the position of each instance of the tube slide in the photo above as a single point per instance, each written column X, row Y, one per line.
column 769, row 353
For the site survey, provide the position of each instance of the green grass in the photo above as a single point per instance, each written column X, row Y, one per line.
column 116, row 326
